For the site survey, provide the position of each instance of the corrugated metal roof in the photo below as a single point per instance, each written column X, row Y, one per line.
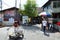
column 9, row 8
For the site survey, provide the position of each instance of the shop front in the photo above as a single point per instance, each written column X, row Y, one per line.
column 56, row 21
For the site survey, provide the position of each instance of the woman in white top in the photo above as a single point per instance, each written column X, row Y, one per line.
column 44, row 24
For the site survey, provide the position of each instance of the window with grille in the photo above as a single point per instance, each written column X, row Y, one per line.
column 56, row 4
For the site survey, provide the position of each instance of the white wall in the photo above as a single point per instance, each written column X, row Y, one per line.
column 56, row 10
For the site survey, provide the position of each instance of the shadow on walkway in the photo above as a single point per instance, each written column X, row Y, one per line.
column 36, row 28
column 31, row 28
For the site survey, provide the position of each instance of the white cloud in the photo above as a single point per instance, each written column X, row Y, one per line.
column 11, row 3
column 8, row 3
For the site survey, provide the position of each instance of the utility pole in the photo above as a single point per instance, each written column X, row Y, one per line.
column 20, row 4
column 15, row 9
column 15, row 5
column 15, row 17
column 0, row 5
column 1, row 18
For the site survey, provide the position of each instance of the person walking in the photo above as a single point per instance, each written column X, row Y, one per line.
column 50, row 26
column 44, row 24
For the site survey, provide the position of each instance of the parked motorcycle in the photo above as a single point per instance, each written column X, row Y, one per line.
column 17, row 36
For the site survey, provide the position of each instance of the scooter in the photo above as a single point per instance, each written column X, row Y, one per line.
column 17, row 37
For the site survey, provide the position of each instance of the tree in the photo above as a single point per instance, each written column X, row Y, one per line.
column 30, row 8
column 22, row 12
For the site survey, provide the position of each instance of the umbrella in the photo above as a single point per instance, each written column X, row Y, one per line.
column 44, row 14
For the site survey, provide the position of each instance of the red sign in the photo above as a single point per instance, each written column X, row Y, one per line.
column 58, row 23
column 10, row 12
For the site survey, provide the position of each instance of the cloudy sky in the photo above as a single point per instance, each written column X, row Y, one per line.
column 11, row 3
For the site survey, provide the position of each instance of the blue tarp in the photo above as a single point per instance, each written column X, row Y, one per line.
column 48, row 14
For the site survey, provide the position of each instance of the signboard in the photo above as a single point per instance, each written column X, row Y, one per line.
column 24, row 19
column 11, row 20
column 1, row 17
column 10, row 12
